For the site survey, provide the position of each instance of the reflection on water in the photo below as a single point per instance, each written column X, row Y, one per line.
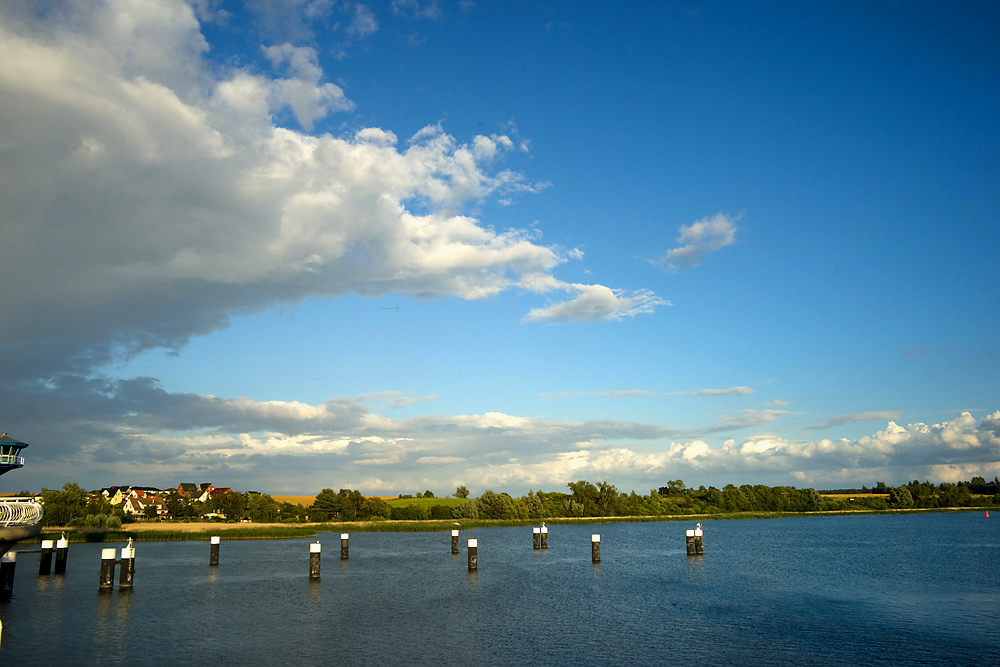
column 811, row 591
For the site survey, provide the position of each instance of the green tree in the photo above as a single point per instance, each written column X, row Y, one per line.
column 150, row 511
column 261, row 508
column 441, row 512
column 467, row 510
column 573, row 508
column 230, row 504
column 494, row 505
column 813, row 500
column 326, row 506
column 674, row 487
column 586, row 494
column 462, row 492
column 733, row 499
column 181, row 507
column 534, row 508
column 98, row 504
column 351, row 502
column 900, row 497
column 375, row 508
column 607, row 498
column 63, row 506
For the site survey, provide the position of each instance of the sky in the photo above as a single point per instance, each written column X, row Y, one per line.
column 288, row 245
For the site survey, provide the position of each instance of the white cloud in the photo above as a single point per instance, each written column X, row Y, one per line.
column 150, row 195
column 700, row 238
column 363, row 23
column 107, row 426
column 595, row 303
column 840, row 420
column 412, row 9
column 614, row 393
column 732, row 391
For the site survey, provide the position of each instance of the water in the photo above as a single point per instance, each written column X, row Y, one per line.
column 914, row 589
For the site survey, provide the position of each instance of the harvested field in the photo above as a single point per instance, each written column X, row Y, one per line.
column 305, row 501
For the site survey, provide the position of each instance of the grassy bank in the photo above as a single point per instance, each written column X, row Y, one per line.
column 204, row 531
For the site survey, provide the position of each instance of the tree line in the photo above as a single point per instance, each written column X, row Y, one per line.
column 73, row 506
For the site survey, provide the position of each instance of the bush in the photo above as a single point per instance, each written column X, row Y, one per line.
column 440, row 512
column 467, row 510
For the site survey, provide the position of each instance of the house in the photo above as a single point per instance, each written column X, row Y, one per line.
column 186, row 488
column 204, row 492
column 116, row 495
column 138, row 500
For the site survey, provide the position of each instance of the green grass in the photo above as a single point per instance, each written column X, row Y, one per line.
column 291, row 531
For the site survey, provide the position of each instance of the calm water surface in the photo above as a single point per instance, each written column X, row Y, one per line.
column 914, row 589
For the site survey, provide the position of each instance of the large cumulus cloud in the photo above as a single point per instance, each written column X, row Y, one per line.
column 150, row 194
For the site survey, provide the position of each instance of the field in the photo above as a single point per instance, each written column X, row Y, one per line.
column 423, row 502
column 305, row 501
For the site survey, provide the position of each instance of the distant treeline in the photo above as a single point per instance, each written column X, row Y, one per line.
column 73, row 506
column 603, row 499
column 977, row 486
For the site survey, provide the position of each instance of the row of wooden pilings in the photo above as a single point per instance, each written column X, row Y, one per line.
column 539, row 540
column 49, row 547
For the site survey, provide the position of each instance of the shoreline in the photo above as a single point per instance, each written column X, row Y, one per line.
column 196, row 531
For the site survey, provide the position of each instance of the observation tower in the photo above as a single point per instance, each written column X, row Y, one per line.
column 20, row 518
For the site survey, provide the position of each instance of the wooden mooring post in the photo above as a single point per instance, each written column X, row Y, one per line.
column 127, row 572
column 454, row 541
column 536, row 538
column 108, row 564
column 314, row 555
column 595, row 548
column 45, row 557
column 695, row 546
column 213, row 554
column 344, row 539
column 7, row 565
column 62, row 554
column 107, row 570
column 473, row 554
column 545, row 536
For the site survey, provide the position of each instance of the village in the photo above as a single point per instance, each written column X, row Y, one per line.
column 112, row 505
column 148, row 502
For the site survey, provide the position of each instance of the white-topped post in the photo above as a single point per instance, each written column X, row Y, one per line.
column 699, row 546
column 213, row 554
column 107, row 569
column 344, row 537
column 45, row 558
column 536, row 538
column 62, row 553
column 545, row 537
column 473, row 554
column 128, row 566
column 595, row 548
column 689, row 541
column 314, row 554
column 454, row 541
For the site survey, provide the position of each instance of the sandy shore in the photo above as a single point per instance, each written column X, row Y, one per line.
column 192, row 527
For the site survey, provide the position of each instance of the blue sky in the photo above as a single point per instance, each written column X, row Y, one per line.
column 409, row 245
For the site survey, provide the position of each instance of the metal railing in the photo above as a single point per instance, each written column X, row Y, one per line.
column 11, row 460
column 20, row 512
